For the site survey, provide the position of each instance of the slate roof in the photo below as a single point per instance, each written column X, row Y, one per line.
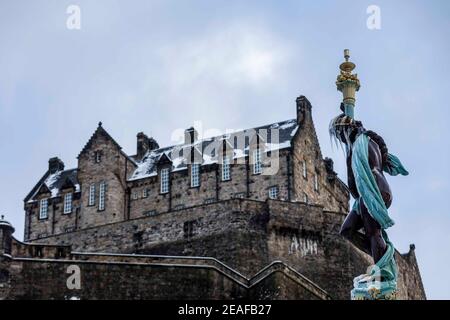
column 54, row 183
column 286, row 130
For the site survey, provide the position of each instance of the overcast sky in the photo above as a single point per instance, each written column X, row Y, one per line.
column 157, row 66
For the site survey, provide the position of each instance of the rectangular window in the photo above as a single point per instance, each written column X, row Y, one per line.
column 195, row 175
column 165, row 180
column 98, row 156
column 92, row 195
column 257, row 167
column 145, row 193
column 226, row 169
column 305, row 198
column 304, row 169
column 135, row 195
column 68, row 203
column 316, row 183
column 273, row 193
column 43, row 209
column 101, row 197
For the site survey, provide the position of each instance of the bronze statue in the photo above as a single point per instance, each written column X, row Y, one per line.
column 367, row 157
column 371, row 241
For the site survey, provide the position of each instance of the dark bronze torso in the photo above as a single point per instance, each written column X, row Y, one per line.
column 376, row 164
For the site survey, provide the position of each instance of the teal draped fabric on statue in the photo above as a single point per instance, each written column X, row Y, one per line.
column 380, row 282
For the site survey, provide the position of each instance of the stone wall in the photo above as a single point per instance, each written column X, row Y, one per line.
column 307, row 238
column 331, row 192
column 243, row 184
column 174, row 279
column 248, row 235
column 232, row 231
column 56, row 222
column 410, row 280
column 37, row 271
column 111, row 169
column 47, row 280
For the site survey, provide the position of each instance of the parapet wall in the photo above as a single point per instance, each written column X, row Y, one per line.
column 147, row 277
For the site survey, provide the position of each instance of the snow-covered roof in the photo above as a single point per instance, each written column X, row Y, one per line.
column 275, row 136
column 54, row 182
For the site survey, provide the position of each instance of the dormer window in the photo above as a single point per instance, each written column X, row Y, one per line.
column 43, row 209
column 98, row 156
column 67, row 203
column 165, row 180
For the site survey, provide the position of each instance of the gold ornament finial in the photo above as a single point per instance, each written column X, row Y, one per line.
column 346, row 54
column 348, row 84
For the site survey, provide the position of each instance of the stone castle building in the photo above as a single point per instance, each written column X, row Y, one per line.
column 251, row 214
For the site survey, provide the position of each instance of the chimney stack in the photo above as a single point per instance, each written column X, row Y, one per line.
column 145, row 144
column 303, row 109
column 55, row 164
column 190, row 135
column 329, row 166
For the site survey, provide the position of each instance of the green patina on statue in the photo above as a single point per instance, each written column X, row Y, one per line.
column 367, row 159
